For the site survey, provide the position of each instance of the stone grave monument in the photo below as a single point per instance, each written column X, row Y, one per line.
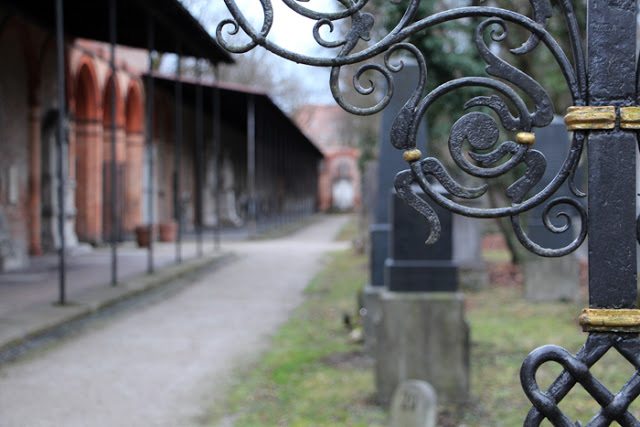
column 421, row 331
column 414, row 404
column 389, row 164
column 467, row 250
column 551, row 279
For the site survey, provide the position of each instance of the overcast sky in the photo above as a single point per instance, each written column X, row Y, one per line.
column 290, row 30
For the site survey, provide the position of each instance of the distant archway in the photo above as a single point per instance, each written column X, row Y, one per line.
column 111, row 92
column 88, row 138
column 135, row 155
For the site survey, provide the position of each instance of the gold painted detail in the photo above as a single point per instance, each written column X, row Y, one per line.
column 411, row 155
column 630, row 118
column 525, row 138
column 610, row 320
column 584, row 118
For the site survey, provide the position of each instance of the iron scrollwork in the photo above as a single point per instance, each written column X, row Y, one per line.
column 479, row 129
column 518, row 103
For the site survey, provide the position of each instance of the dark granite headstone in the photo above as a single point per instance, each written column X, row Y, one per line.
column 413, row 266
column 390, row 162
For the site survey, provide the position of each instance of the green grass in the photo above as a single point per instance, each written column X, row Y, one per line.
column 314, row 376
column 349, row 232
column 504, row 330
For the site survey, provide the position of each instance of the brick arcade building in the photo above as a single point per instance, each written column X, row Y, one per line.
column 29, row 167
column 339, row 181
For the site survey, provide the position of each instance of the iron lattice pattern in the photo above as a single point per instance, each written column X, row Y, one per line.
column 614, row 407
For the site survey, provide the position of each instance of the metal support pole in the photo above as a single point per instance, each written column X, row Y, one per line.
column 273, row 175
column 114, row 167
column 611, row 155
column 177, row 160
column 199, row 159
column 61, row 137
column 259, row 178
column 289, row 155
column 282, row 178
column 251, row 164
column 217, row 160
column 149, row 142
column 272, row 190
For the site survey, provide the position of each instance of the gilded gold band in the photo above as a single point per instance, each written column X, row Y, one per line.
column 525, row 138
column 610, row 320
column 630, row 118
column 585, row 118
column 411, row 155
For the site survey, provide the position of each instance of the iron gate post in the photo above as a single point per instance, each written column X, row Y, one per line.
column 611, row 153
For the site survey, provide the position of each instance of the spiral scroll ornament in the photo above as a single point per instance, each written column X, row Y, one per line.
column 519, row 104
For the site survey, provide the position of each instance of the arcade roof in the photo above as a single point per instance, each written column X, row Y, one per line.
column 175, row 28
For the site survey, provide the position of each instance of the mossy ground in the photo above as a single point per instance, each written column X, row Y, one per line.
column 314, row 375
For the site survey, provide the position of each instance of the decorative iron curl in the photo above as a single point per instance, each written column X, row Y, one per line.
column 267, row 9
column 351, row 9
column 547, row 252
column 403, row 30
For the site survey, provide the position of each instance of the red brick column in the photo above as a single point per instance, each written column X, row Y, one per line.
column 34, row 181
column 133, row 188
column 89, row 173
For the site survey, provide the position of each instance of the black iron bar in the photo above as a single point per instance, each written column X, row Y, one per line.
column 273, row 170
column 611, row 159
column 114, row 166
column 177, row 158
column 259, row 178
column 251, row 165
column 217, row 161
column 281, row 176
column 289, row 173
column 149, row 143
column 272, row 190
column 199, row 158
column 60, row 141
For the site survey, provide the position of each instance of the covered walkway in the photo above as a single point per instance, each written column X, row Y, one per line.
column 166, row 363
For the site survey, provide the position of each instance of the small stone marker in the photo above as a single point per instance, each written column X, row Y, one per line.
column 414, row 404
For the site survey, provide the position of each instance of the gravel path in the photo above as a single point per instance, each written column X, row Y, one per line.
column 166, row 363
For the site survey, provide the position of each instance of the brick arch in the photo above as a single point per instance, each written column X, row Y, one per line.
column 89, row 152
column 106, row 105
column 134, row 158
column 86, row 94
column 134, row 109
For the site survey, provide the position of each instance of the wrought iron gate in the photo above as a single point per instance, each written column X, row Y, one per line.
column 602, row 79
